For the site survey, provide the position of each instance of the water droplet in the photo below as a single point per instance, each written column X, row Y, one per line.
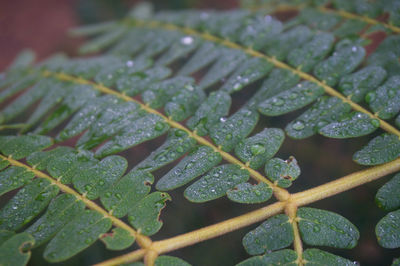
column 101, row 183
column 228, row 136
column 292, row 96
column 257, row 149
column 179, row 149
column 316, row 228
column 108, row 194
column 129, row 63
column 370, row 97
column 88, row 187
column 375, row 122
column 118, row 196
column 88, row 240
column 222, row 119
column 354, row 49
column 14, row 207
column 237, row 86
column 187, row 40
column 298, row 125
column 277, row 101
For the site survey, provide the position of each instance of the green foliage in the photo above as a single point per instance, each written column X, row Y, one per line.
column 155, row 70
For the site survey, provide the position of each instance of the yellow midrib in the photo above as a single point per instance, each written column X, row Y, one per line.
column 88, row 203
column 280, row 193
column 324, row 9
column 329, row 90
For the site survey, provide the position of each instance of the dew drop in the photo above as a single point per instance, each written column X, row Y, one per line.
column 375, row 122
column 187, row 40
column 118, row 196
column 257, row 149
column 370, row 97
column 316, row 228
column 129, row 63
column 277, row 102
column 298, row 125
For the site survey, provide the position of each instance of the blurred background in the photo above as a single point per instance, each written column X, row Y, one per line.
column 42, row 25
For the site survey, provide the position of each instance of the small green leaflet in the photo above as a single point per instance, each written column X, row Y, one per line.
column 209, row 113
column 285, row 257
column 41, row 159
column 353, row 125
column 4, row 235
column 144, row 215
column 256, row 150
column 3, row 164
column 229, row 131
column 251, row 70
column 95, row 180
column 191, row 166
column 228, row 61
column 65, row 167
column 117, row 239
column 27, row 204
column 358, row 84
column 180, row 48
column 343, row 61
column 15, row 251
column 21, row 146
column 282, row 172
column 13, row 178
column 106, row 39
column 279, row 80
column 325, row 228
column 381, row 149
column 185, row 104
column 87, row 115
column 248, row 193
column 176, row 145
column 388, row 230
column 275, row 233
column 385, row 100
column 326, row 110
column 216, row 182
column 143, row 129
column 76, row 236
column 388, row 196
column 280, row 46
column 203, row 56
column 61, row 211
column 259, row 31
column 170, row 261
column 316, row 257
column 161, row 93
column 109, row 122
column 311, row 52
column 297, row 97
column 121, row 197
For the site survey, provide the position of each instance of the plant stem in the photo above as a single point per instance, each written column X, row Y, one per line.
column 206, row 36
column 90, row 204
column 279, row 192
column 133, row 256
column 298, row 199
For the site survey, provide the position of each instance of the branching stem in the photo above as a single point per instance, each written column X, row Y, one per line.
column 296, row 200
